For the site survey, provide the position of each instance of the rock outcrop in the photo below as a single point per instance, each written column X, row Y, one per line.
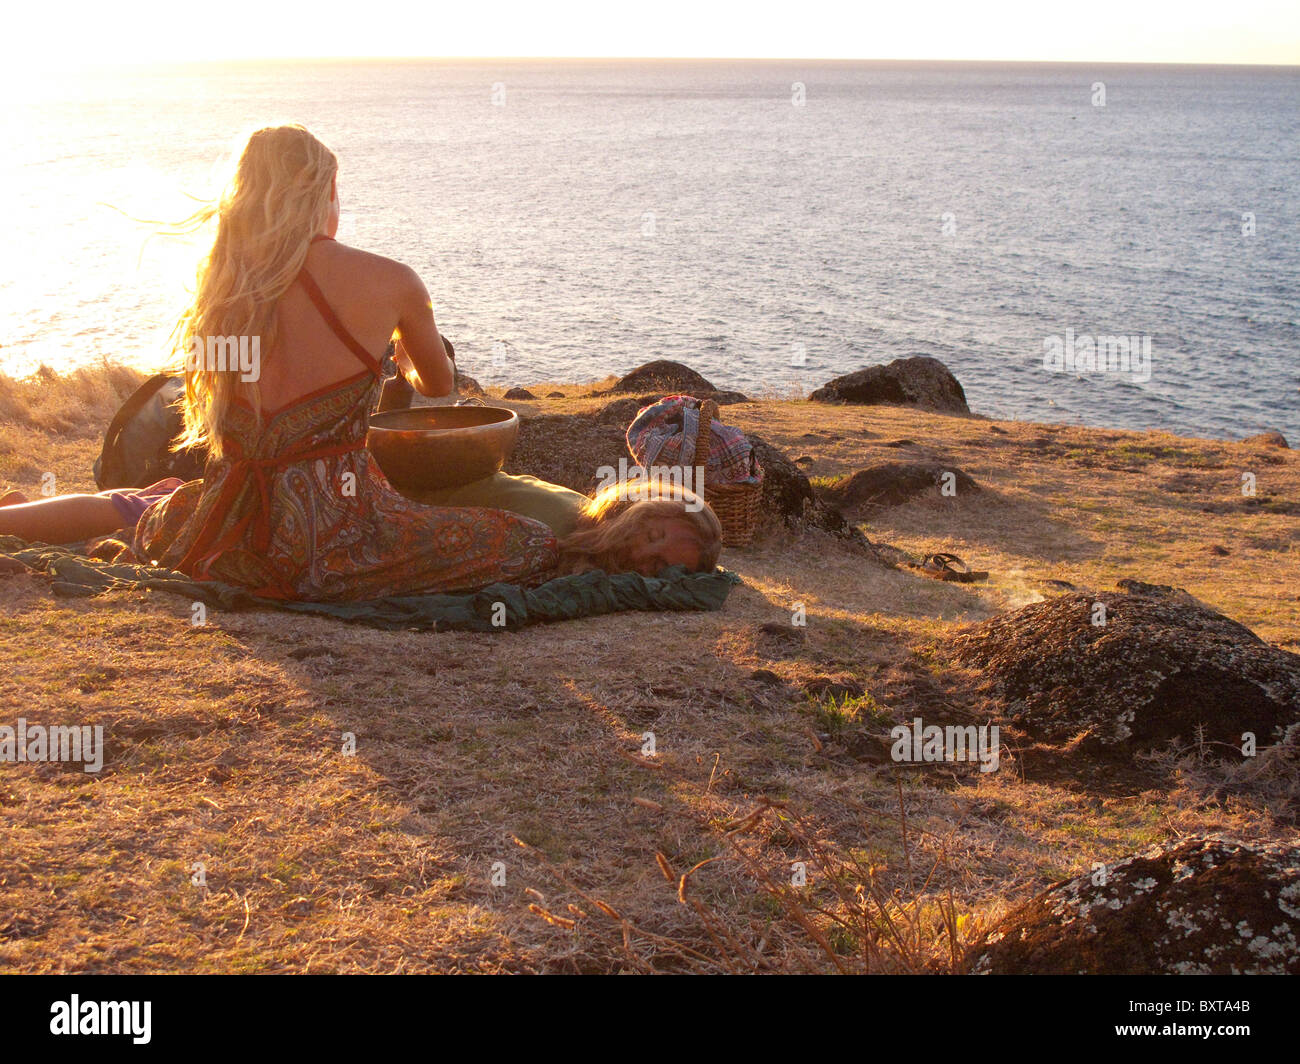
column 918, row 381
column 894, row 483
column 1156, row 665
column 788, row 494
column 1272, row 438
column 1203, row 907
column 665, row 376
column 519, row 393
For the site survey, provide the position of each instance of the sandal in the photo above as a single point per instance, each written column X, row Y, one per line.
column 946, row 566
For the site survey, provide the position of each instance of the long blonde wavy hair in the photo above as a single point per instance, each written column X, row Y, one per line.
column 278, row 199
column 615, row 518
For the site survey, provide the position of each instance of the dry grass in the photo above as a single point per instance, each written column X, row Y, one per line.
column 76, row 406
column 225, row 743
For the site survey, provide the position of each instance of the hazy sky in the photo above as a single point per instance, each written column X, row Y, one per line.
column 57, row 36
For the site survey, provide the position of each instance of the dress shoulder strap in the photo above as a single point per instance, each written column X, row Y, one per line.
column 337, row 327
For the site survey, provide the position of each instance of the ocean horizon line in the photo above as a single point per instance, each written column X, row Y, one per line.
column 1129, row 64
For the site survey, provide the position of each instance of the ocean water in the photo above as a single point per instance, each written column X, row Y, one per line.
column 771, row 224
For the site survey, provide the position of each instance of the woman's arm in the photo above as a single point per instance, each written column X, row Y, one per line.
column 419, row 353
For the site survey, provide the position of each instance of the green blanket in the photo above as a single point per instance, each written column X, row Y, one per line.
column 562, row 599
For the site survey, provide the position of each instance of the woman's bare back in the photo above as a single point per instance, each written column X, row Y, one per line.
column 370, row 295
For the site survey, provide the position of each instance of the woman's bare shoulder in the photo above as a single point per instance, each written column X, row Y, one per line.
column 376, row 269
column 368, row 260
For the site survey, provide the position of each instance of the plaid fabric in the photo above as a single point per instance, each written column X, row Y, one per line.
column 665, row 435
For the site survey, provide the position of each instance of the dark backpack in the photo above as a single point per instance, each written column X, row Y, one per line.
column 137, row 446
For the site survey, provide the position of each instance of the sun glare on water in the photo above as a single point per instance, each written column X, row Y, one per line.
column 87, row 245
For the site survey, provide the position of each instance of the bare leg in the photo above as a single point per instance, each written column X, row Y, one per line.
column 63, row 519
column 12, row 498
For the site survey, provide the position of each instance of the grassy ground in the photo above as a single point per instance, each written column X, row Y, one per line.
column 499, row 814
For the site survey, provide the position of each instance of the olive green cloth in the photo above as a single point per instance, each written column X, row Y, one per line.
column 493, row 609
column 548, row 503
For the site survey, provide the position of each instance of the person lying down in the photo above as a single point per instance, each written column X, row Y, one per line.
column 290, row 504
column 642, row 529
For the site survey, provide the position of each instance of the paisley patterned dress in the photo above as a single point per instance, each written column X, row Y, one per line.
column 295, row 508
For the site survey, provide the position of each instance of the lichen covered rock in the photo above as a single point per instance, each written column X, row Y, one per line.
column 1132, row 671
column 788, row 495
column 1205, row 907
column 894, row 483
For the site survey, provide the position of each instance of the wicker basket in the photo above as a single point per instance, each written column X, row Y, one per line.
column 735, row 504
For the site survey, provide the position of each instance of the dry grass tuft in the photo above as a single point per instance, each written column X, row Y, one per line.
column 1206, row 774
column 77, row 405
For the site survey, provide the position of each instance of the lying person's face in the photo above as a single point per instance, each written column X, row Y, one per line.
column 665, row 541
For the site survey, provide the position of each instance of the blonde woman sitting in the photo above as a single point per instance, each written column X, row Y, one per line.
column 290, row 504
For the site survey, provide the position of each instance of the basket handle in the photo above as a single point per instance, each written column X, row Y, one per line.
column 703, row 430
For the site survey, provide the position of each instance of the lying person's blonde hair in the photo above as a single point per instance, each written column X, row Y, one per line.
column 613, row 523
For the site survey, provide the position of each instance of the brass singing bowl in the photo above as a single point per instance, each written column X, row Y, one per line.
column 432, row 447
